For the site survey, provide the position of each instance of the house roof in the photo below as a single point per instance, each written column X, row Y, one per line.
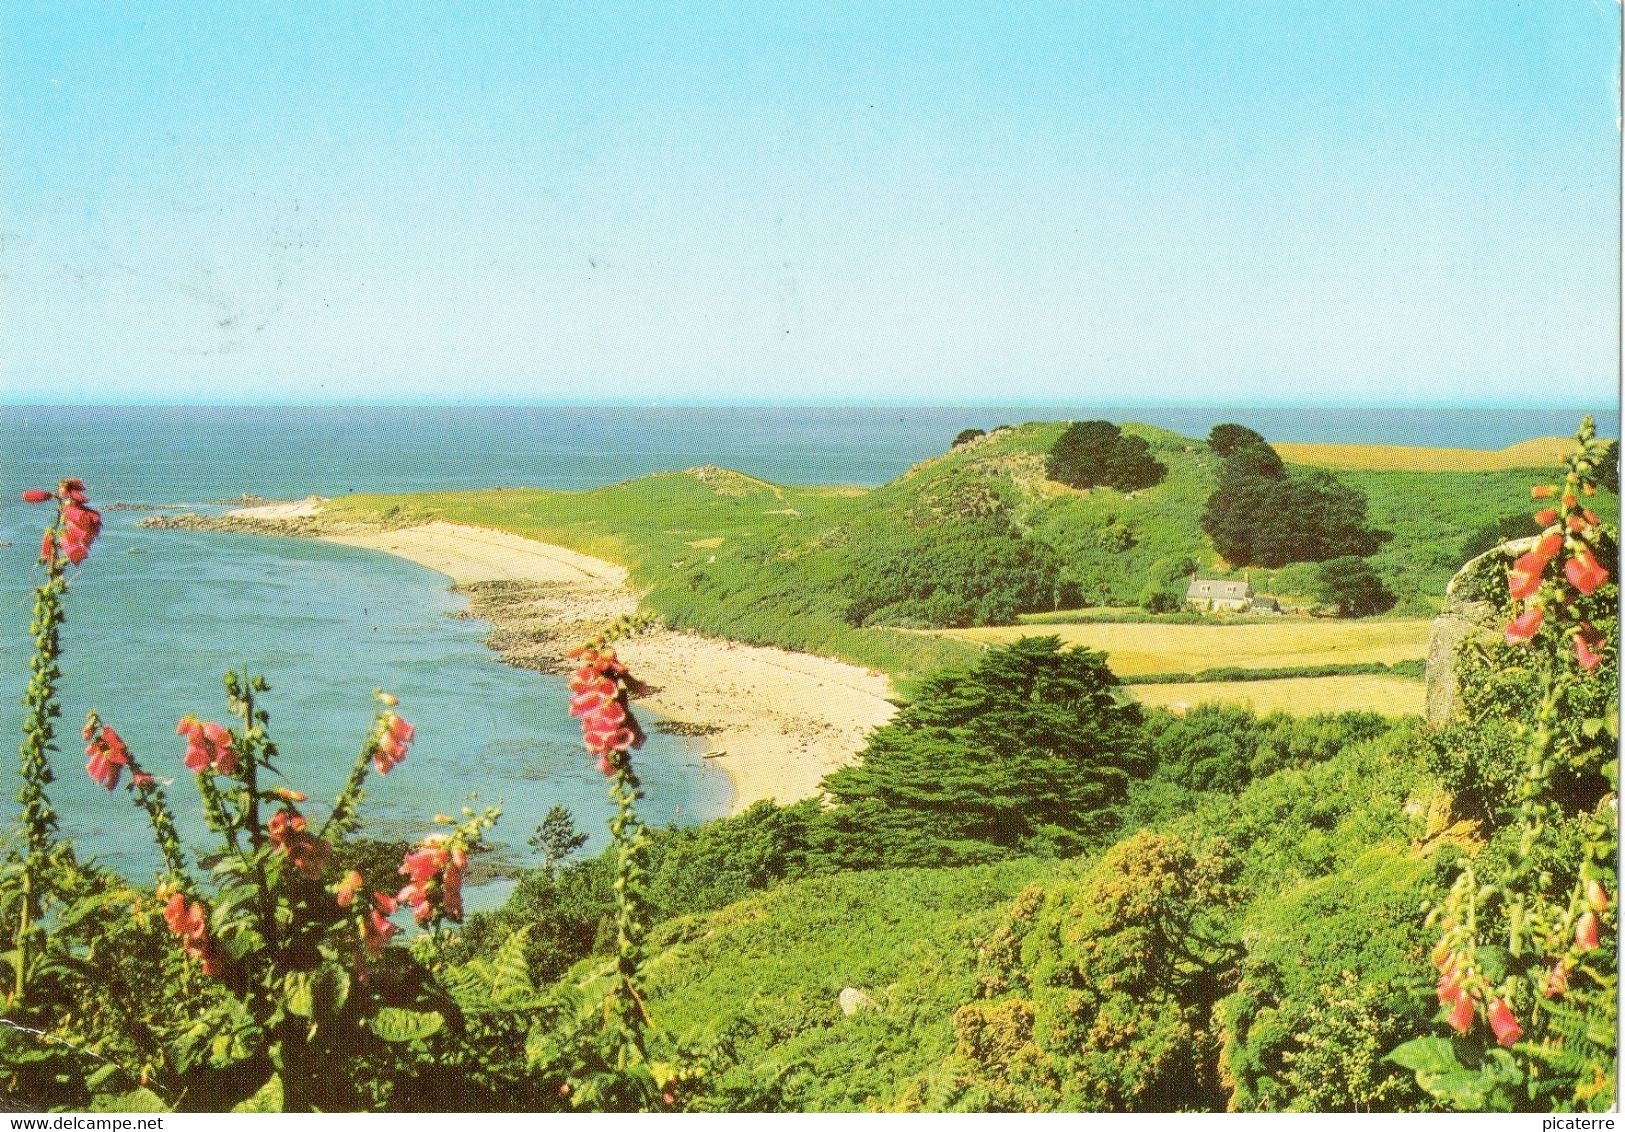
column 1218, row 588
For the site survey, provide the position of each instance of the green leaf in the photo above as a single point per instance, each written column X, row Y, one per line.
column 136, row 1100
column 1494, row 962
column 541, row 1046
column 236, row 944
column 267, row 1099
column 510, row 975
column 394, row 1024
column 330, row 988
column 297, row 993
column 1463, row 1089
column 100, row 1076
column 1426, row 1055
column 229, row 900
column 85, row 907
column 1501, row 1068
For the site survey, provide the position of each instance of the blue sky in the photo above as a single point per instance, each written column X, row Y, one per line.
column 1251, row 202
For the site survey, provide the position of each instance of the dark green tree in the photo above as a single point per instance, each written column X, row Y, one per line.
column 1167, row 582
column 1226, row 438
column 1030, row 750
column 1078, row 458
column 1130, row 465
column 1264, row 515
column 1257, row 461
column 966, row 436
column 1351, row 587
column 557, row 836
column 1097, row 454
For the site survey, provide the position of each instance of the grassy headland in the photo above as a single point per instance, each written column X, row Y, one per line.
column 977, row 536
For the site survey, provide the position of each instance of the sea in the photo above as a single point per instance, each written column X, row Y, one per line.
column 156, row 617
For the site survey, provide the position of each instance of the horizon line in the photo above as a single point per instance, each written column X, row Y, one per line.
column 1613, row 405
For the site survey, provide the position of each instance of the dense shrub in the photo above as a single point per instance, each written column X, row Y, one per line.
column 1224, row 747
column 965, row 571
column 1328, row 987
column 1226, row 438
column 1097, row 993
column 1030, row 749
column 1351, row 588
column 566, row 909
column 1608, row 467
column 1099, row 454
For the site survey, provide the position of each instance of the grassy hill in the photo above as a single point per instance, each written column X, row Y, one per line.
column 976, row 536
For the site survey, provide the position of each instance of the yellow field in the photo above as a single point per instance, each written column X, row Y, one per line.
column 1389, row 695
column 1134, row 650
column 1539, row 453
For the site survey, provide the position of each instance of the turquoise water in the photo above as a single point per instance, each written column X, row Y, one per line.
column 156, row 616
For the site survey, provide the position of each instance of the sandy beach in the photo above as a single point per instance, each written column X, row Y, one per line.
column 778, row 721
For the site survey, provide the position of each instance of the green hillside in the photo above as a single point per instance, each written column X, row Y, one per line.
column 976, row 536
column 1323, row 865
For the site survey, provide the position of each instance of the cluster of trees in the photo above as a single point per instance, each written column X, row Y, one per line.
column 1264, row 515
column 1099, row 454
column 966, row 570
column 1349, row 587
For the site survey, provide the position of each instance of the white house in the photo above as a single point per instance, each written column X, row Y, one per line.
column 1215, row 595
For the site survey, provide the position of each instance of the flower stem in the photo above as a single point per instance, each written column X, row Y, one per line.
column 41, row 707
column 630, row 911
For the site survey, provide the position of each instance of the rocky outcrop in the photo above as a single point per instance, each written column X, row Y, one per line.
column 309, row 526
column 852, row 1000
column 1472, row 608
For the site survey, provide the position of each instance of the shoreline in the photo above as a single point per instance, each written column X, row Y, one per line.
column 776, row 721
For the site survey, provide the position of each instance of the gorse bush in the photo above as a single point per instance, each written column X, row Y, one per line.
column 1099, row 993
